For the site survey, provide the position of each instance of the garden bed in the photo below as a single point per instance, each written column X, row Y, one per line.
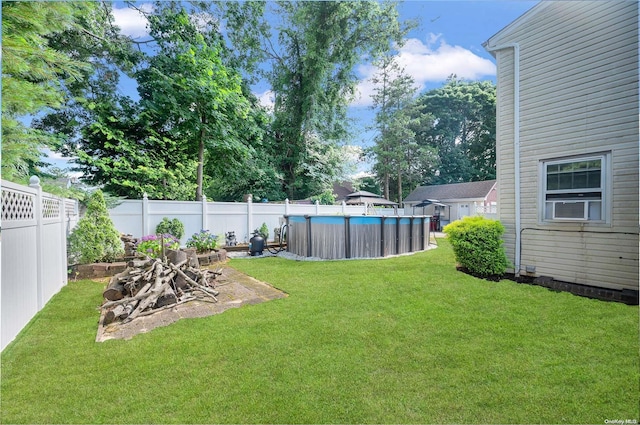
column 626, row 296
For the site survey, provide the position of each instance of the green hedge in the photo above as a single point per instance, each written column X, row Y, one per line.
column 477, row 245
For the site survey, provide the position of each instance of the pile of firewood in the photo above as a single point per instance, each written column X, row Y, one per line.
column 129, row 243
column 151, row 285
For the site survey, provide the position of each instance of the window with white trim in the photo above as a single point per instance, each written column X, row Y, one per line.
column 575, row 189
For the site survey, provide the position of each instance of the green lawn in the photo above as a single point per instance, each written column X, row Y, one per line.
column 402, row 340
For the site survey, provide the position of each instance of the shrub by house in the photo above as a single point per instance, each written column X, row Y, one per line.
column 478, row 246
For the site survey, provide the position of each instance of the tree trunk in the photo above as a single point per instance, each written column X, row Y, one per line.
column 399, row 189
column 200, row 172
column 386, row 185
column 200, row 167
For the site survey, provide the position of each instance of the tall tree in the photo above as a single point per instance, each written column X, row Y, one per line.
column 311, row 54
column 398, row 157
column 192, row 93
column 34, row 75
column 463, row 130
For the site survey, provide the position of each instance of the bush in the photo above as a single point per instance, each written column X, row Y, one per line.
column 477, row 245
column 203, row 241
column 325, row 198
column 151, row 245
column 173, row 227
column 95, row 238
column 264, row 232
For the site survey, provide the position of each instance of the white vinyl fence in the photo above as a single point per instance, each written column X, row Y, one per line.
column 140, row 217
column 35, row 226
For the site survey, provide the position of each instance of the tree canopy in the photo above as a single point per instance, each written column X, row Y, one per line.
column 196, row 129
column 463, row 130
column 34, row 75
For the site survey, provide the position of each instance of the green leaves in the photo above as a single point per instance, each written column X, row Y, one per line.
column 400, row 161
column 463, row 130
column 34, row 75
column 477, row 245
column 95, row 238
column 313, row 79
column 192, row 93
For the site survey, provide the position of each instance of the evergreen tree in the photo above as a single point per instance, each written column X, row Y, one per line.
column 34, row 76
column 95, row 238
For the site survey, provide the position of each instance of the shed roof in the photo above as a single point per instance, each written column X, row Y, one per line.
column 342, row 189
column 471, row 190
column 371, row 200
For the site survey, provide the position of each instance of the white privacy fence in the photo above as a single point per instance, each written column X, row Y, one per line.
column 35, row 226
column 140, row 217
column 487, row 210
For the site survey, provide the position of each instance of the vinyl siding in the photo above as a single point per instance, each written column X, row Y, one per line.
column 504, row 148
column 578, row 95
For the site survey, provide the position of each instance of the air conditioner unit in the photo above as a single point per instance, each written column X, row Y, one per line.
column 570, row 210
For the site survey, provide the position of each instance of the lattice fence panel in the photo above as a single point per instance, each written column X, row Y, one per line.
column 69, row 208
column 50, row 208
column 17, row 206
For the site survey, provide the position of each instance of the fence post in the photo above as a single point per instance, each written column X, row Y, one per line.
column 145, row 214
column 34, row 182
column 344, row 208
column 317, row 207
column 286, row 206
column 347, row 236
column 249, row 216
column 63, row 239
column 411, row 234
column 309, row 235
column 382, row 242
column 205, row 224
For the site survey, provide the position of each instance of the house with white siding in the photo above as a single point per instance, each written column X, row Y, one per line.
column 450, row 202
column 567, row 142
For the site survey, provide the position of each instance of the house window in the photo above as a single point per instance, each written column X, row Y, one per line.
column 574, row 189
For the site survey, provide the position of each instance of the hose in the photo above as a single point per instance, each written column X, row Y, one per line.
column 282, row 239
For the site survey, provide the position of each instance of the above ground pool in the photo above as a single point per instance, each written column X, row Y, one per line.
column 335, row 237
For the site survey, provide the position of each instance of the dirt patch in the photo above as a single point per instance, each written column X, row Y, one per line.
column 236, row 289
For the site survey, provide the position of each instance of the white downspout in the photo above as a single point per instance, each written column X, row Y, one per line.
column 516, row 141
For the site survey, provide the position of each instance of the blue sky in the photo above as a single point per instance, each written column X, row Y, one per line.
column 447, row 41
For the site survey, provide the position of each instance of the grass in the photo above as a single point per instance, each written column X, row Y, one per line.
column 402, row 340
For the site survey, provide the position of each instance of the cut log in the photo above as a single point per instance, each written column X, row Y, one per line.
column 119, row 312
column 116, row 289
column 148, row 301
column 168, row 297
column 112, row 315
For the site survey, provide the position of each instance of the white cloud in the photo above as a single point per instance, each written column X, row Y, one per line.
column 362, row 174
column 132, row 22
column 426, row 62
column 266, row 99
column 49, row 154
